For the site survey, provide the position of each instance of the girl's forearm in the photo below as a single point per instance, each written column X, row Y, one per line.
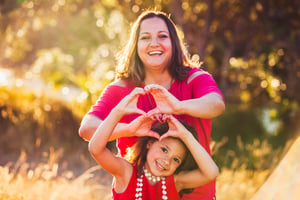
column 206, row 164
column 104, row 132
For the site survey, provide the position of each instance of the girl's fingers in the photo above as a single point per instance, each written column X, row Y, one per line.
column 153, row 134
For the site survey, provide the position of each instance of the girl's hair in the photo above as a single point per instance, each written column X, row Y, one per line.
column 137, row 154
column 130, row 66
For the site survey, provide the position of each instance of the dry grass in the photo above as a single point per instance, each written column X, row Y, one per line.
column 21, row 182
column 239, row 184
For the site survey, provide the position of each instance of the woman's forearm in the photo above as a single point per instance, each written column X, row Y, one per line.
column 90, row 123
column 207, row 107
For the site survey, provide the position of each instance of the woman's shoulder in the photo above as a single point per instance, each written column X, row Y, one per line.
column 118, row 87
column 119, row 82
column 195, row 72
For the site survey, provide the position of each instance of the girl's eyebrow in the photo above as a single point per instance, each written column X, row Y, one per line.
column 177, row 156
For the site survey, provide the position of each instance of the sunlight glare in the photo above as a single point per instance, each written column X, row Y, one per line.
column 65, row 90
column 19, row 82
column 5, row 76
column 264, row 84
column 82, row 97
column 275, row 83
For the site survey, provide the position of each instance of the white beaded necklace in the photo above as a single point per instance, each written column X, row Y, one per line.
column 150, row 177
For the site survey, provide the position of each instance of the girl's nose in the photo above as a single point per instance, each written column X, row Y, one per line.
column 166, row 162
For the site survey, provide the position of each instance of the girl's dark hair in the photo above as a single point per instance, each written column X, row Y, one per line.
column 130, row 67
column 137, row 154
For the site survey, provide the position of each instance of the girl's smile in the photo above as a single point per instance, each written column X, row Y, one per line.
column 165, row 156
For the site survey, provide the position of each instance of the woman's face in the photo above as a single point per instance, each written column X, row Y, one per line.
column 154, row 44
column 165, row 156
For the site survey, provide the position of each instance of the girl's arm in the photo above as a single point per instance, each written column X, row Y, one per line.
column 90, row 123
column 116, row 166
column 207, row 171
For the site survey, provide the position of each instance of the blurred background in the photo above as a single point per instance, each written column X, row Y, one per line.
column 56, row 56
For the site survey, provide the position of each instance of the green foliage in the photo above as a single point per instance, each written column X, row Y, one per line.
column 250, row 137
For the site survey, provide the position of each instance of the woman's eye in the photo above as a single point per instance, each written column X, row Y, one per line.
column 144, row 38
column 163, row 36
column 176, row 160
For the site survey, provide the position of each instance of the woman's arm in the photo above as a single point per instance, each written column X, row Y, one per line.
column 137, row 127
column 90, row 123
column 207, row 171
column 208, row 106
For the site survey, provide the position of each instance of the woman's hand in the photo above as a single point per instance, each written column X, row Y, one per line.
column 128, row 104
column 165, row 102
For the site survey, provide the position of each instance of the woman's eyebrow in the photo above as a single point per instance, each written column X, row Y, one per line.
column 146, row 32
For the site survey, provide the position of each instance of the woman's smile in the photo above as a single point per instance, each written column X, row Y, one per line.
column 154, row 44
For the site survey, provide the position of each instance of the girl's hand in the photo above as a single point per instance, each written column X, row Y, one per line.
column 165, row 101
column 176, row 129
column 128, row 104
column 157, row 117
column 141, row 126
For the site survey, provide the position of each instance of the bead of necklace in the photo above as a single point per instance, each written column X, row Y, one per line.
column 149, row 176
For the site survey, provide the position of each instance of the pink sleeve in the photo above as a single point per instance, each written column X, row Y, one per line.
column 204, row 84
column 109, row 98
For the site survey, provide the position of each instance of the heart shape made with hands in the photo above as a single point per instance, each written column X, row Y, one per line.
column 165, row 102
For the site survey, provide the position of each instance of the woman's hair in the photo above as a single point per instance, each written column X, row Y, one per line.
column 130, row 66
column 137, row 154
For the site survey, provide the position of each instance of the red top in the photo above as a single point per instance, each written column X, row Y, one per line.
column 199, row 86
column 149, row 192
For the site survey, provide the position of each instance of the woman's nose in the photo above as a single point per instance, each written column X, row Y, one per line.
column 154, row 41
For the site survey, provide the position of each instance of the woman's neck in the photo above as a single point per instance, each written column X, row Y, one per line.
column 163, row 79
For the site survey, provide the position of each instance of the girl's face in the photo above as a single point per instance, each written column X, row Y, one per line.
column 165, row 156
column 154, row 44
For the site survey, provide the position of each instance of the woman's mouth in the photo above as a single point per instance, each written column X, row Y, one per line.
column 155, row 53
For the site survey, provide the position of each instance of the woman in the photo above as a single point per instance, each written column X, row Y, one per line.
column 155, row 57
column 156, row 168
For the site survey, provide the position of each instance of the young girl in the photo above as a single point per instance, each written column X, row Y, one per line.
column 151, row 175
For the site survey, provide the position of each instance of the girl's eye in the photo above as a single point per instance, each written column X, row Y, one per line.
column 176, row 160
column 164, row 150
